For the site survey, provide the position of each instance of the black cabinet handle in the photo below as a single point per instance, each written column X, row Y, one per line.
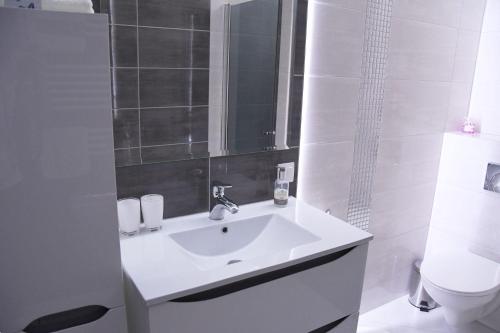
column 66, row 319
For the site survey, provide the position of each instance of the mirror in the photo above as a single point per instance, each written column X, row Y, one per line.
column 207, row 78
column 255, row 82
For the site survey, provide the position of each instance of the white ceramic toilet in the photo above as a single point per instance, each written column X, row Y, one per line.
column 466, row 285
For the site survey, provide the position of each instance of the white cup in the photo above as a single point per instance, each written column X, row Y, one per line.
column 152, row 211
column 129, row 216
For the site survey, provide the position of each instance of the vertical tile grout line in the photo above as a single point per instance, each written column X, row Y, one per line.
column 138, row 79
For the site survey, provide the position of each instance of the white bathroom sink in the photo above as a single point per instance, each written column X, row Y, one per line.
column 191, row 253
column 237, row 241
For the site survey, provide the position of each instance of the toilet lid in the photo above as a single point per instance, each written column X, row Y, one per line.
column 462, row 272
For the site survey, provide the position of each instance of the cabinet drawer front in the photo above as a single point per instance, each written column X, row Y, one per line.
column 300, row 302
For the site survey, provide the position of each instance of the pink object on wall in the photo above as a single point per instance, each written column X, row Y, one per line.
column 468, row 126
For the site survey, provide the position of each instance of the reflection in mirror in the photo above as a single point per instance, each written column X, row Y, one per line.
column 252, row 75
column 252, row 80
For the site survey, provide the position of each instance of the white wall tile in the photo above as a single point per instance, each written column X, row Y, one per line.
column 325, row 172
column 440, row 12
column 337, row 40
column 404, row 198
column 466, row 56
column 401, row 210
column 410, row 244
column 330, row 113
column 331, row 125
column 392, row 176
column 468, row 43
column 459, row 105
column 389, row 267
column 336, row 35
column 415, row 107
column 338, row 208
column 421, row 51
column 327, row 92
column 472, row 14
column 410, row 149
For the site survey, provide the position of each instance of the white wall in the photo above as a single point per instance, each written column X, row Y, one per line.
column 465, row 215
column 462, row 208
column 331, row 86
column 485, row 105
column 431, row 63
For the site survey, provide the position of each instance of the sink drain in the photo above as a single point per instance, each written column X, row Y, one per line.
column 230, row 262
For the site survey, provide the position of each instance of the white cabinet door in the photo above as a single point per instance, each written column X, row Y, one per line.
column 59, row 243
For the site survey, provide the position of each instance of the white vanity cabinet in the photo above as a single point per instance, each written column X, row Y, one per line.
column 263, row 270
column 320, row 295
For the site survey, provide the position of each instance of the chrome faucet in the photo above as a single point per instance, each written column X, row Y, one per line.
column 222, row 203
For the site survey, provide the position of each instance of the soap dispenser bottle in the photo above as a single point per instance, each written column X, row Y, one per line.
column 281, row 187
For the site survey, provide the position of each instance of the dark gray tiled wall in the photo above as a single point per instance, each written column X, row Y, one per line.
column 126, row 128
column 123, row 11
column 124, row 46
column 252, row 175
column 173, row 152
column 160, row 57
column 173, row 87
column 181, row 123
column 184, row 14
column 186, row 184
column 125, row 88
column 170, row 49
column 153, row 117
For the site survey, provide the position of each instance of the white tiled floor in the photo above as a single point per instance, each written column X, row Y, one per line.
column 400, row 317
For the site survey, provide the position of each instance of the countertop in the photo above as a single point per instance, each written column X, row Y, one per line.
column 162, row 271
